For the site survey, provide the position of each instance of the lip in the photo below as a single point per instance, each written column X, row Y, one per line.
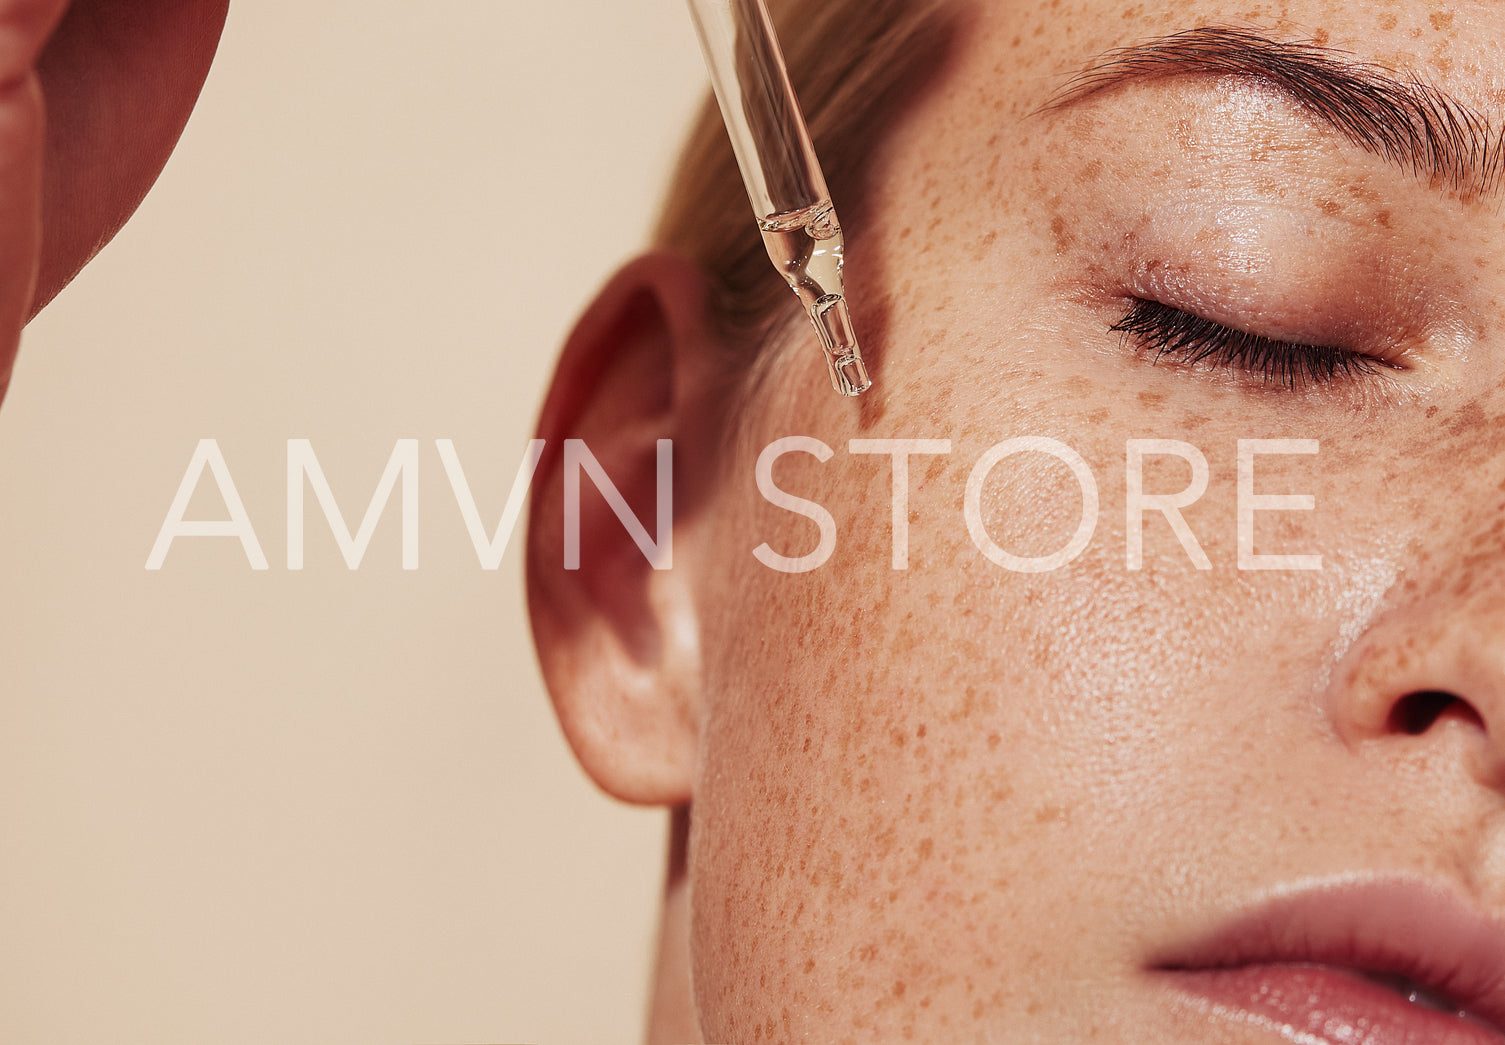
column 1307, row 963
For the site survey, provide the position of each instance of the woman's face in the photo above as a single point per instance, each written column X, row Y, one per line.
column 959, row 803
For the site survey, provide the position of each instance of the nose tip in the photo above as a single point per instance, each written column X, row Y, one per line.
column 1429, row 674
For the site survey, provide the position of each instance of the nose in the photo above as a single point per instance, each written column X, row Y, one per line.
column 1432, row 671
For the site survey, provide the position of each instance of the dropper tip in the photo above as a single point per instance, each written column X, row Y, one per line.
column 834, row 324
column 849, row 375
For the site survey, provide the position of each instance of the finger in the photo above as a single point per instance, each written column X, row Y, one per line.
column 24, row 28
column 22, row 133
column 121, row 78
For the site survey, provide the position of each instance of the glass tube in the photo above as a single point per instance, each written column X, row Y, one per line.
column 783, row 178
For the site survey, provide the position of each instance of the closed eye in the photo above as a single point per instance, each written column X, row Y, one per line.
column 1171, row 333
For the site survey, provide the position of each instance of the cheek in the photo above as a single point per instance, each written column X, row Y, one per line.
column 894, row 760
column 897, row 764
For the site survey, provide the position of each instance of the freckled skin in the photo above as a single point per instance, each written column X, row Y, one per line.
column 958, row 804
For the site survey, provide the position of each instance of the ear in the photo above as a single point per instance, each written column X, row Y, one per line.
column 618, row 639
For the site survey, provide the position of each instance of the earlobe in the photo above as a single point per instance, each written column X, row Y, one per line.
column 618, row 637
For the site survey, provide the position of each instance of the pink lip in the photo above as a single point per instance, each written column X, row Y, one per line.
column 1306, row 964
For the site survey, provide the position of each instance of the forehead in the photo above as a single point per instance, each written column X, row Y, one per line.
column 1014, row 59
column 1033, row 47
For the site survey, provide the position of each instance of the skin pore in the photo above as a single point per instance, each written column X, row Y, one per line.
column 957, row 803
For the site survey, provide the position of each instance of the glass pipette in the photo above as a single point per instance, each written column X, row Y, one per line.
column 783, row 178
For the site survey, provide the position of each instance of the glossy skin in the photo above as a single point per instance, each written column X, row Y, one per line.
column 961, row 804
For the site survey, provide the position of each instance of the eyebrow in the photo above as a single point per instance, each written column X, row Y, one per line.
column 1406, row 121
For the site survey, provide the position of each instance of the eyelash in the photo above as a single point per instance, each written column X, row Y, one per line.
column 1189, row 338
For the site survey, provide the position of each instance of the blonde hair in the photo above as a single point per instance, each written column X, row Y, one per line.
column 854, row 65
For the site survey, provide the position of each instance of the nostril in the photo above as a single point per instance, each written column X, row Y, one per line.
column 1415, row 713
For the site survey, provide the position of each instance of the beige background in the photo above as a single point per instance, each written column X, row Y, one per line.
column 323, row 806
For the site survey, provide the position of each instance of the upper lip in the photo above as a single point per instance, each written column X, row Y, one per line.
column 1403, row 927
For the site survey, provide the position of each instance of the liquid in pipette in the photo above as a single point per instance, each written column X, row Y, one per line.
column 806, row 247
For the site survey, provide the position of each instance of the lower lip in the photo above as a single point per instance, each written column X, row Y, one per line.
column 1317, row 1003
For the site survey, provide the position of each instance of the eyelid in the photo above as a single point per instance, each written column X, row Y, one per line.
column 1186, row 337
